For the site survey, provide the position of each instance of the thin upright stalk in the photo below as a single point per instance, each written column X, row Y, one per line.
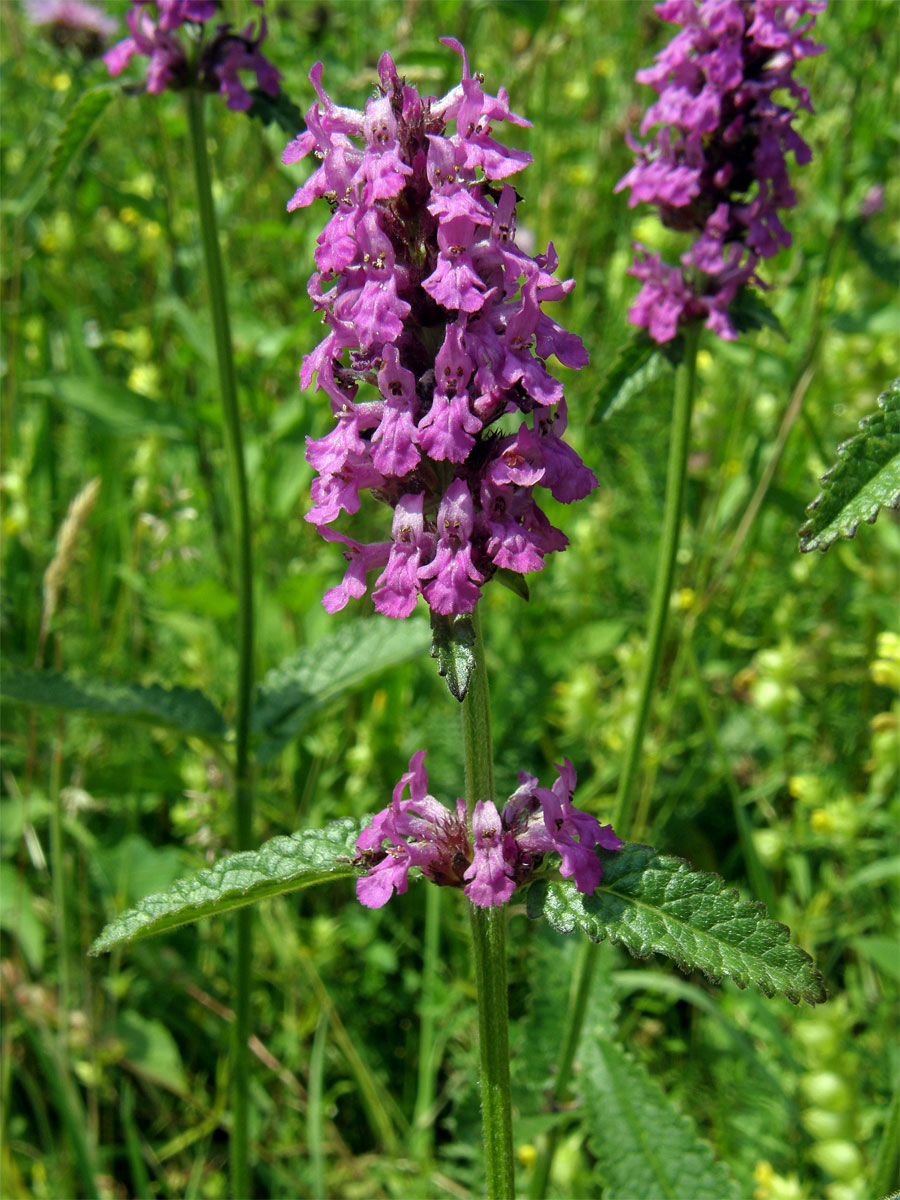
column 676, row 486
column 489, row 950
column 240, row 519
column 423, row 1119
column 676, row 481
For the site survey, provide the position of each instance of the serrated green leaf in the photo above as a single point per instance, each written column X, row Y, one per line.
column 639, row 363
column 865, row 479
column 314, row 676
column 652, row 903
column 453, row 645
column 284, row 864
column 643, row 1145
column 280, row 109
column 185, row 708
column 74, row 133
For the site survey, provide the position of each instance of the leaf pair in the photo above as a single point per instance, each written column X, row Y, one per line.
column 646, row 902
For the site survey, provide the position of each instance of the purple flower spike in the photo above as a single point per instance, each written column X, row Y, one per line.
column 425, row 295
column 715, row 159
column 215, row 67
column 489, row 861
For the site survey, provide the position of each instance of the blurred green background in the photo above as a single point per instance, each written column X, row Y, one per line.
column 779, row 690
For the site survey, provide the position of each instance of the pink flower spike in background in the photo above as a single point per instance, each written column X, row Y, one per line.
column 435, row 331
column 714, row 162
column 498, row 853
column 73, row 22
column 154, row 27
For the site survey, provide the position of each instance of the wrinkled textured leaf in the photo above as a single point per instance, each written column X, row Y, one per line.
column 865, row 479
column 74, row 133
column 310, row 679
column 643, row 1145
column 284, row 864
column 651, row 903
column 639, row 363
column 453, row 645
column 185, row 708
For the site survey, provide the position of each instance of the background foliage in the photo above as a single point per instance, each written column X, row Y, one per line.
column 780, row 682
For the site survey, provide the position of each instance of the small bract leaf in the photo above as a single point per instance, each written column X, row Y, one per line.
column 865, row 479
column 514, row 581
column 651, row 903
column 643, row 1145
column 284, row 864
column 453, row 645
column 186, row 708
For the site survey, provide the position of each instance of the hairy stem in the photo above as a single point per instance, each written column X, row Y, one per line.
column 676, row 486
column 489, row 951
column 425, row 1086
column 240, row 521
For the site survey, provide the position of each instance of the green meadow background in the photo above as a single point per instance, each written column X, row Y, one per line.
column 778, row 695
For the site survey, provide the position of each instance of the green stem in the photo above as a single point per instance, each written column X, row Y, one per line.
column 240, row 510
column 314, row 1135
column 476, row 716
column 424, row 1116
column 60, row 905
column 676, row 481
column 489, row 950
column 886, row 1172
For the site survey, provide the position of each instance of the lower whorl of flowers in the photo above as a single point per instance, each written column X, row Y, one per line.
column 501, row 851
column 436, row 333
column 716, row 161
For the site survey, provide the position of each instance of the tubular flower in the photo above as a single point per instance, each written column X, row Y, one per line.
column 490, row 859
column 714, row 161
column 153, row 26
column 435, row 330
